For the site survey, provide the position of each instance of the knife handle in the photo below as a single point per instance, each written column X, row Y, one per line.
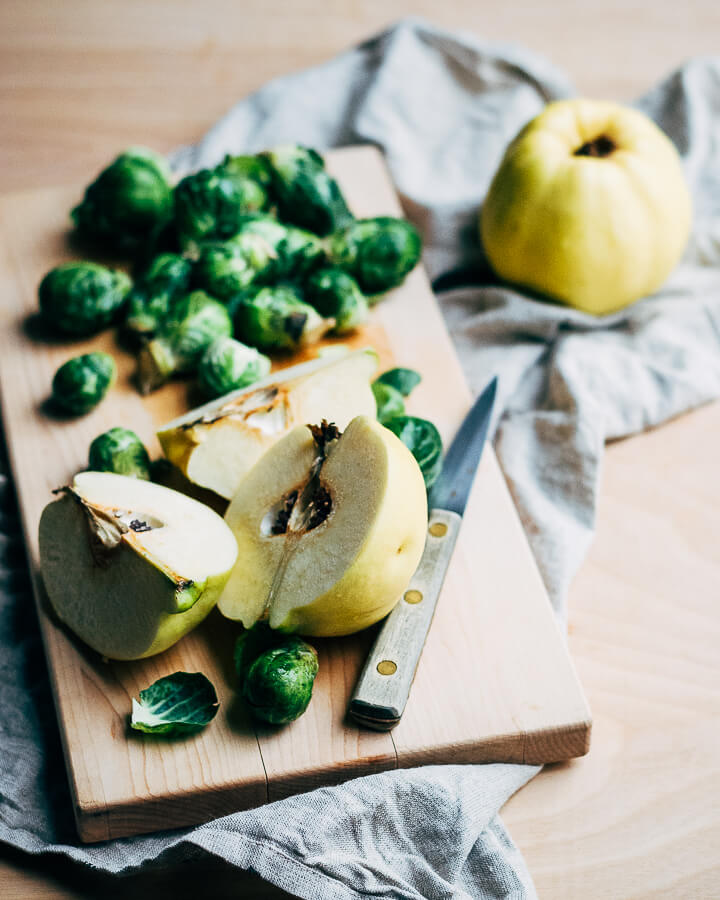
column 384, row 684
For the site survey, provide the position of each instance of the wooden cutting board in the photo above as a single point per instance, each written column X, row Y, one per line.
column 495, row 683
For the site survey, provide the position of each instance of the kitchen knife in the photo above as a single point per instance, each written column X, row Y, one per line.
column 384, row 684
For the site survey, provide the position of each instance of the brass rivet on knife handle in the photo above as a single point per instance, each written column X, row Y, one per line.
column 379, row 700
column 386, row 667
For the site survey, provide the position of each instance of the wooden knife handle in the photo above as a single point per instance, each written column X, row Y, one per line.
column 384, row 684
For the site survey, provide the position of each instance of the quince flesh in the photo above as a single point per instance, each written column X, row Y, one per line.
column 215, row 445
column 351, row 569
column 131, row 566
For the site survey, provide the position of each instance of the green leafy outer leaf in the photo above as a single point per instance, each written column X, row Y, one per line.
column 209, row 204
column 377, row 252
column 225, row 268
column 295, row 251
column 80, row 298
column 263, row 251
column 277, row 683
column 305, row 193
column 227, row 365
column 82, row 382
column 275, row 318
column 403, row 380
column 389, row 402
column 196, row 320
column 121, row 451
column 128, row 202
column 335, row 293
column 165, row 280
column 424, row 442
column 179, row 703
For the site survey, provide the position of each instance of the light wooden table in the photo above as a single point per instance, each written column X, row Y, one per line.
column 639, row 817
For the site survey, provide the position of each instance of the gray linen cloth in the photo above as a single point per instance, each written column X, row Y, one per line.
column 442, row 107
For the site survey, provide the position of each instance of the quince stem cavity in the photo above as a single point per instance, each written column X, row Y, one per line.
column 599, row 147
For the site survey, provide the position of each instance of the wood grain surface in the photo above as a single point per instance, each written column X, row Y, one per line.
column 638, row 817
column 495, row 683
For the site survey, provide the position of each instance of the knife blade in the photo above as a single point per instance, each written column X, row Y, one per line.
column 384, row 685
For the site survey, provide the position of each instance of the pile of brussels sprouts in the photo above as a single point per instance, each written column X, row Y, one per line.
column 259, row 254
column 256, row 255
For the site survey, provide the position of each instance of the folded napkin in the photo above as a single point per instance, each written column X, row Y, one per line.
column 442, row 107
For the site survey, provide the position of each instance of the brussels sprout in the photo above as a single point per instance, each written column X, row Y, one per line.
column 80, row 298
column 82, row 382
column 335, row 293
column 251, row 176
column 128, row 202
column 275, row 318
column 194, row 322
column 277, row 684
column 121, row 451
column 263, row 250
column 226, row 268
column 306, row 195
column 424, row 442
column 227, row 365
column 403, row 380
column 378, row 252
column 389, row 402
column 295, row 251
column 210, row 203
column 166, row 279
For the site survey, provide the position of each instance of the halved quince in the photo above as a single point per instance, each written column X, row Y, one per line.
column 363, row 541
column 215, row 445
column 131, row 566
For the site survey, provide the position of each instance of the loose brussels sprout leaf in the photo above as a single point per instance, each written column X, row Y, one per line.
column 424, row 442
column 306, row 195
column 295, row 251
column 165, row 279
column 226, row 268
column 378, row 252
column 128, row 202
column 335, row 293
column 277, row 684
column 194, row 322
column 403, row 380
column 210, row 203
column 121, row 451
column 227, row 365
column 80, row 298
column 177, row 704
column 389, row 402
column 275, row 318
column 82, row 382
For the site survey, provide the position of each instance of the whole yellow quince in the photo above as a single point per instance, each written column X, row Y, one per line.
column 589, row 206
